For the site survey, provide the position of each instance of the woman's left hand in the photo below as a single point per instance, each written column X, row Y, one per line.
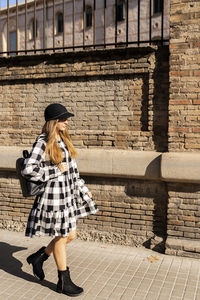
column 90, row 194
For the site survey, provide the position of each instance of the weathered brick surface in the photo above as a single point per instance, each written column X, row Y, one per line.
column 130, row 212
column 114, row 95
column 183, row 211
column 184, row 76
column 184, row 134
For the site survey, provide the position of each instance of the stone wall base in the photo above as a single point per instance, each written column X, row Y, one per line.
column 12, row 225
column 182, row 247
column 111, row 237
column 150, row 241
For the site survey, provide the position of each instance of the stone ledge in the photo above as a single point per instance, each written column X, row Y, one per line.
column 182, row 247
column 180, row 167
column 101, row 162
column 148, row 165
column 119, row 163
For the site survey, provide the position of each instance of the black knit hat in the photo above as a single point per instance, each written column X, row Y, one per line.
column 56, row 111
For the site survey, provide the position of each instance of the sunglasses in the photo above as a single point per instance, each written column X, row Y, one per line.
column 62, row 120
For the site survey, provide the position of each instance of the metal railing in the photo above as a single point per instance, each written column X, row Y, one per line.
column 20, row 36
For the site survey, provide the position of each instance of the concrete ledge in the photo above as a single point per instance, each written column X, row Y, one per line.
column 8, row 157
column 148, row 165
column 119, row 163
column 101, row 162
column 180, row 167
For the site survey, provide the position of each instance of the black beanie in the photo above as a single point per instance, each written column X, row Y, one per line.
column 56, row 111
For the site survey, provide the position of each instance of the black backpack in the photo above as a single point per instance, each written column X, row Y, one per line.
column 29, row 188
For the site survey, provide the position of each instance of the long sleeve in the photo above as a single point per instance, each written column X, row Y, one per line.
column 36, row 168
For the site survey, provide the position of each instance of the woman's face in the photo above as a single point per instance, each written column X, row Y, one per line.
column 61, row 125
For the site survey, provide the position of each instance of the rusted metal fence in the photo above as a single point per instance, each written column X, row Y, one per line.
column 108, row 25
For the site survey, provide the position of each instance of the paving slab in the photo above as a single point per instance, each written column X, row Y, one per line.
column 106, row 272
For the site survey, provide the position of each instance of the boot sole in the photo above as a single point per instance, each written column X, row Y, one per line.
column 68, row 294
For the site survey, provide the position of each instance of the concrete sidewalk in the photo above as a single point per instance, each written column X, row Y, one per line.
column 104, row 271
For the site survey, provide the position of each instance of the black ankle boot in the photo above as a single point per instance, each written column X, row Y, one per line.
column 37, row 259
column 66, row 286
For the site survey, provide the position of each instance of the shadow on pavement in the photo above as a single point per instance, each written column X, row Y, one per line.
column 13, row 266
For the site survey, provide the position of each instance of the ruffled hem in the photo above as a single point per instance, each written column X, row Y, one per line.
column 57, row 223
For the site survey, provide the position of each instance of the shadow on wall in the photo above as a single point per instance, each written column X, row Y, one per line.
column 145, row 104
column 152, row 198
column 155, row 99
column 161, row 99
column 160, row 210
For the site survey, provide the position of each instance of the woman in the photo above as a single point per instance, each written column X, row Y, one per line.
column 56, row 210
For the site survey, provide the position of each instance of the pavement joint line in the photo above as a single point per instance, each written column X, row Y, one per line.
column 97, row 278
column 174, row 283
column 141, row 279
column 151, row 278
column 165, row 277
column 198, row 279
column 187, row 280
column 95, row 270
column 122, row 276
column 146, row 295
column 114, row 286
column 106, row 282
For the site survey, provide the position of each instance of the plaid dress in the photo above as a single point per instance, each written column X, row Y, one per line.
column 55, row 211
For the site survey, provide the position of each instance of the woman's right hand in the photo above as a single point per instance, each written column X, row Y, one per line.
column 63, row 167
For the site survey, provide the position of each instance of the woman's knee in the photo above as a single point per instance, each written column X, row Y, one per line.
column 60, row 240
column 65, row 240
column 71, row 236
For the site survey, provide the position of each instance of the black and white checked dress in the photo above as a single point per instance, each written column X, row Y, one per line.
column 56, row 211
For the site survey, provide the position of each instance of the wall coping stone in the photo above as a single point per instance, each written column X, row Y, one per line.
column 59, row 57
column 180, row 167
column 148, row 165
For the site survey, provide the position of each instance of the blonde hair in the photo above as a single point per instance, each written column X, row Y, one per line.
column 53, row 151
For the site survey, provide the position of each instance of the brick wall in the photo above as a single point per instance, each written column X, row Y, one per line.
column 183, row 211
column 130, row 212
column 118, row 104
column 184, row 105
column 114, row 95
column 184, row 129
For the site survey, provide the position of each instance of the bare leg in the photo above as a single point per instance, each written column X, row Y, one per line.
column 49, row 248
column 58, row 247
column 65, row 285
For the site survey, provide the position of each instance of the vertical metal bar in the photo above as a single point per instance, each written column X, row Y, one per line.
column 94, row 25
column 8, row 41
column 63, row 24
column 16, row 27
column 35, row 27
column 53, row 26
column 150, row 22
column 25, row 26
column 83, row 24
column 44, row 25
column 0, row 21
column 162, row 22
column 127, row 8
column 47, row 24
column 138, row 22
column 73, row 37
column 105, row 23
column 115, row 23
